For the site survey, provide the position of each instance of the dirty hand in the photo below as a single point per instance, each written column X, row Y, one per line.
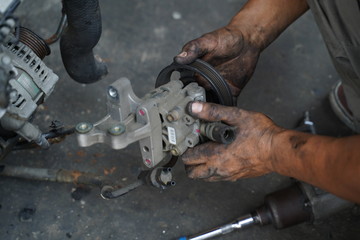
column 250, row 154
column 229, row 51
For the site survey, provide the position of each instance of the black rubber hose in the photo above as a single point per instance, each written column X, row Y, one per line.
column 79, row 38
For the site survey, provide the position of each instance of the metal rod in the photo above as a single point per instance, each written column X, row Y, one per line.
column 240, row 223
column 59, row 30
column 107, row 192
column 53, row 175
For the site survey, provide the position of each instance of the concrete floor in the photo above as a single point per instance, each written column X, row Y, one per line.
column 139, row 39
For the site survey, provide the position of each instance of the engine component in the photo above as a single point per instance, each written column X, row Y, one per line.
column 79, row 38
column 218, row 132
column 30, row 83
column 7, row 21
column 158, row 121
column 160, row 177
column 8, row 24
column 219, row 92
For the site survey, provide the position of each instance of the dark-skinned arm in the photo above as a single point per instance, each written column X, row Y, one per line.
column 261, row 147
column 330, row 163
column 263, row 21
column 235, row 48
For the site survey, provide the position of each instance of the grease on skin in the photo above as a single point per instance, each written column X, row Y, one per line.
column 226, row 49
column 214, row 162
column 297, row 142
column 210, row 172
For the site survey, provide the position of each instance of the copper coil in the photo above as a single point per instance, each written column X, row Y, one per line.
column 34, row 42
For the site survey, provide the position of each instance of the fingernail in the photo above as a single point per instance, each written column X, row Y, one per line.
column 196, row 107
column 182, row 54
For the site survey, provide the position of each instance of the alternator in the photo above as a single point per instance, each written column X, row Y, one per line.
column 31, row 82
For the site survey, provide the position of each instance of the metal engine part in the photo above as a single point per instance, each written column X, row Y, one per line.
column 29, row 83
column 8, row 22
column 159, row 121
column 160, row 177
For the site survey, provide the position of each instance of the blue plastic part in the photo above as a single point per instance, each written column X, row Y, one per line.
column 183, row 238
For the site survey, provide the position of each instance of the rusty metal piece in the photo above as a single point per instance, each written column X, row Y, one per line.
column 54, row 175
column 53, row 38
column 33, row 41
column 54, row 136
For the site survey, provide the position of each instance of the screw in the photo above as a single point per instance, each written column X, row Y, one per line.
column 13, row 96
column 175, row 152
column 173, row 116
column 199, row 98
column 117, row 130
column 113, row 92
column 6, row 60
column 84, row 127
column 170, row 118
column 187, row 120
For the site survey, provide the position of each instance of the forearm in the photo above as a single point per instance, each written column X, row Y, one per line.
column 264, row 20
column 332, row 164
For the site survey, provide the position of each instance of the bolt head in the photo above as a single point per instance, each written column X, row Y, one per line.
column 117, row 130
column 6, row 60
column 13, row 95
column 84, row 127
column 174, row 152
column 170, row 118
column 113, row 92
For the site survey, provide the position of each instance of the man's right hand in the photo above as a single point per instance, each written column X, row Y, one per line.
column 229, row 51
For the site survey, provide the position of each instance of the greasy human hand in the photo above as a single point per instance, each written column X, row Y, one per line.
column 229, row 50
column 249, row 155
column 234, row 49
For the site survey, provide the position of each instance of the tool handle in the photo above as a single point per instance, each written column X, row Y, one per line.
column 240, row 223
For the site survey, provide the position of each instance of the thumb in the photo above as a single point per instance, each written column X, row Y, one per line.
column 214, row 112
column 192, row 50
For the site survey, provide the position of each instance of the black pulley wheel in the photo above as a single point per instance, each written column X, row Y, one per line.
column 219, row 92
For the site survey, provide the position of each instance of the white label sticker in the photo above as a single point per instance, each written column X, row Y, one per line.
column 172, row 135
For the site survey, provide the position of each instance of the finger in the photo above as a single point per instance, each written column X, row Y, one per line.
column 215, row 179
column 227, row 177
column 202, row 153
column 201, row 171
column 214, row 112
column 194, row 49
